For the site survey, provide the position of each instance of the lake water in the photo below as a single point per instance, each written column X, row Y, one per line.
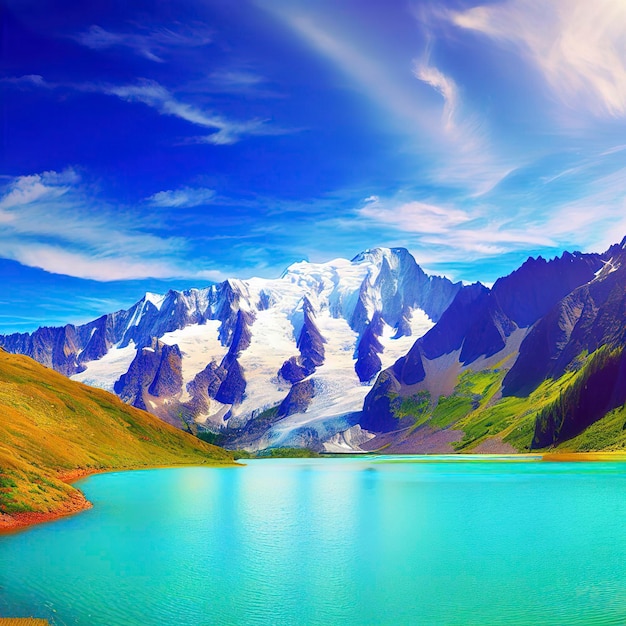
column 324, row 541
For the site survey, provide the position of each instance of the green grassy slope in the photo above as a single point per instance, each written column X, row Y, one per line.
column 477, row 409
column 50, row 426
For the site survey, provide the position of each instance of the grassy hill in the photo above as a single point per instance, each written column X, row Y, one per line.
column 52, row 428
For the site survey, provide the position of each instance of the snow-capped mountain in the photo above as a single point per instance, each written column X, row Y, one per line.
column 269, row 362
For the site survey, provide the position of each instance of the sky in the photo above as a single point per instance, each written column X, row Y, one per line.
column 152, row 145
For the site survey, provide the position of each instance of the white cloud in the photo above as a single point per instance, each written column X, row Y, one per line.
column 236, row 81
column 183, row 197
column 158, row 97
column 578, row 46
column 154, row 95
column 58, row 260
column 442, row 84
column 148, row 44
column 413, row 217
column 457, row 148
column 50, row 221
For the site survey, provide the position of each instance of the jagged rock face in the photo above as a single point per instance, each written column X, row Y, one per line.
column 311, row 346
column 294, row 370
column 53, row 347
column 310, row 342
column 589, row 317
column 208, row 380
column 131, row 385
column 241, row 335
column 531, row 291
column 168, row 380
column 233, row 387
column 470, row 311
column 204, row 387
column 298, row 398
column 378, row 411
column 368, row 362
column 155, row 371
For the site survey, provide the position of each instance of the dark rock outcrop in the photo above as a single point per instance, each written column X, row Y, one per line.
column 155, row 370
column 168, row 380
column 311, row 345
column 589, row 317
column 368, row 362
column 204, row 387
column 233, row 387
column 298, row 398
column 529, row 292
column 293, row 370
column 479, row 323
column 380, row 405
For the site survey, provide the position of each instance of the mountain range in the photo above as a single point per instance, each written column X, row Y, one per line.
column 370, row 354
column 260, row 362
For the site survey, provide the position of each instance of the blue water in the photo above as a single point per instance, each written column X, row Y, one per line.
column 323, row 541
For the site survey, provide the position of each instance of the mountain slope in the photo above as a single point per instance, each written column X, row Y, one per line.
column 529, row 364
column 220, row 357
column 51, row 426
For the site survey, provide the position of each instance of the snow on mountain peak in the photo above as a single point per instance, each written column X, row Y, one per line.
column 154, row 298
column 242, row 346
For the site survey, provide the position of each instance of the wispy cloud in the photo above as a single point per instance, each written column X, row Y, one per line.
column 236, row 80
column 578, row 46
column 442, row 84
column 456, row 232
column 158, row 97
column 50, row 221
column 578, row 207
column 28, row 80
column 150, row 44
column 367, row 70
column 451, row 144
column 184, row 197
column 413, row 217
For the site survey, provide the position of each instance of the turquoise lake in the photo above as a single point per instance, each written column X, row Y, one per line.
column 325, row 541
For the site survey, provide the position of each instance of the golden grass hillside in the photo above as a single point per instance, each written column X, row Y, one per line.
column 53, row 428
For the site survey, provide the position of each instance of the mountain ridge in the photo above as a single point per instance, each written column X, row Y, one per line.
column 538, row 336
column 242, row 344
column 367, row 353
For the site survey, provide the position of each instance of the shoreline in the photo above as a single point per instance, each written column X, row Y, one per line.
column 77, row 501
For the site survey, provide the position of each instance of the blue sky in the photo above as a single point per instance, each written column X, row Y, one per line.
column 150, row 145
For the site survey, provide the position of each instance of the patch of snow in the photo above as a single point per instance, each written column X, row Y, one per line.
column 395, row 348
column 272, row 343
column 155, row 298
column 348, row 441
column 338, row 390
column 609, row 267
column 104, row 372
column 199, row 345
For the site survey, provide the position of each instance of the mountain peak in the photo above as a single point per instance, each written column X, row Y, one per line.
column 154, row 298
column 376, row 255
